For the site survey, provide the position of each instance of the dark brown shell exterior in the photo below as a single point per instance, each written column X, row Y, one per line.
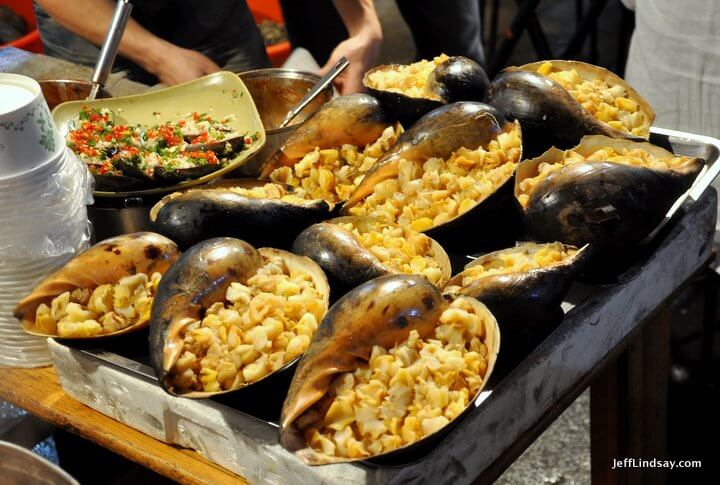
column 549, row 115
column 104, row 263
column 357, row 119
column 456, row 79
column 198, row 279
column 379, row 312
column 214, row 210
column 343, row 258
column 438, row 134
column 524, row 303
column 606, row 205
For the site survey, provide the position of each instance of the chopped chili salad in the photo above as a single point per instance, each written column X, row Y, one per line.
column 177, row 149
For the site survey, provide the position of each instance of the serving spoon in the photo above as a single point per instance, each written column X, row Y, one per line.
column 236, row 143
column 110, row 47
column 322, row 83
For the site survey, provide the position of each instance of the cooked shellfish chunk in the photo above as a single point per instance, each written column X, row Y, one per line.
column 407, row 392
column 261, row 326
column 107, row 309
column 333, row 174
column 426, row 195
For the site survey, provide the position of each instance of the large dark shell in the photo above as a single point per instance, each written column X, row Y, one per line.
column 104, row 263
column 456, row 79
column 345, row 261
column 523, row 302
column 438, row 134
column 549, row 115
column 212, row 211
column 604, row 204
column 198, row 279
column 380, row 312
column 610, row 206
column 357, row 119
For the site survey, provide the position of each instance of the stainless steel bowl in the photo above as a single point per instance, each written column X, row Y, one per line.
column 20, row 466
column 275, row 92
column 57, row 91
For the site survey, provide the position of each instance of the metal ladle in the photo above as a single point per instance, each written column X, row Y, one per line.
column 324, row 81
column 110, row 46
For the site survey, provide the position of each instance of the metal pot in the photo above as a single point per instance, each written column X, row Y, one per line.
column 275, row 92
column 57, row 91
column 112, row 216
column 18, row 466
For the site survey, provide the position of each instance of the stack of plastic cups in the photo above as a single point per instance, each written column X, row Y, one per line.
column 44, row 190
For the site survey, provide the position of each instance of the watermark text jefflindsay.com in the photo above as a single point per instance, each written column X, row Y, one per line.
column 654, row 463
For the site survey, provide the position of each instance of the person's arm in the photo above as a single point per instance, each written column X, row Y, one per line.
column 361, row 48
column 90, row 19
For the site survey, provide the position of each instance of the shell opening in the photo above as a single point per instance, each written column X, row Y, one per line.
column 249, row 188
column 332, row 174
column 103, row 310
column 606, row 102
column 257, row 329
column 523, row 258
column 624, row 153
column 412, row 80
column 400, row 249
column 426, row 195
column 404, row 393
column 106, row 290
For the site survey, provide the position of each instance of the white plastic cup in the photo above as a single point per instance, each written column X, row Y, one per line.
column 28, row 135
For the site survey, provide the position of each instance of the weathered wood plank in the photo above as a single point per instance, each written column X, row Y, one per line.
column 38, row 391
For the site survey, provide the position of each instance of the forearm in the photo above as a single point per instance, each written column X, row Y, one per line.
column 359, row 17
column 90, row 20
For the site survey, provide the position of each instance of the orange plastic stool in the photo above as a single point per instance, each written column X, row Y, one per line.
column 30, row 41
column 270, row 10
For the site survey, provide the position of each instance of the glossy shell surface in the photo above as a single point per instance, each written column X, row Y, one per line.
column 104, row 263
column 379, row 312
column 216, row 210
column 200, row 278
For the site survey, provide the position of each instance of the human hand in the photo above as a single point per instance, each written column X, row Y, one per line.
column 176, row 65
column 361, row 52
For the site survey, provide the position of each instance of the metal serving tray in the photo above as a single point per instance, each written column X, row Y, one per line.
column 618, row 306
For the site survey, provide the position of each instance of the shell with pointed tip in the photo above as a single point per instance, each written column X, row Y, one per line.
column 200, row 278
column 357, row 119
column 217, row 210
column 522, row 301
column 348, row 263
column 456, row 79
column 549, row 115
column 610, row 206
column 438, row 134
column 379, row 312
column 104, row 263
